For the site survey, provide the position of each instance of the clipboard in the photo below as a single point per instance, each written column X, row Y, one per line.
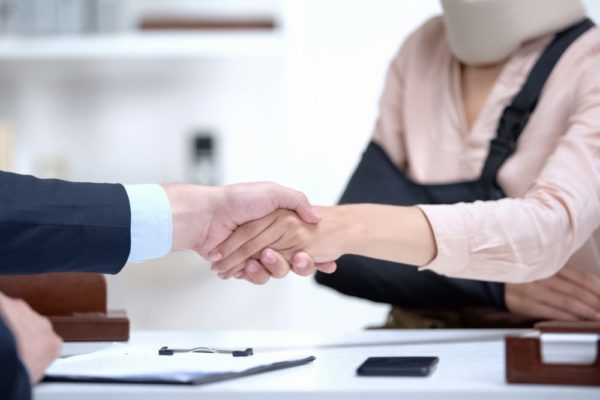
column 183, row 378
column 125, row 363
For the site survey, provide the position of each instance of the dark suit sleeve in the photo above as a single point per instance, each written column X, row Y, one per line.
column 14, row 379
column 49, row 225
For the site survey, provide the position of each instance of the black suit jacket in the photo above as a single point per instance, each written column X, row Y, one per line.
column 48, row 225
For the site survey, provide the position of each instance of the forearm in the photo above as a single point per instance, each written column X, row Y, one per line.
column 393, row 233
column 49, row 225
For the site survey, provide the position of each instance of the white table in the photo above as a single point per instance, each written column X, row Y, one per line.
column 471, row 367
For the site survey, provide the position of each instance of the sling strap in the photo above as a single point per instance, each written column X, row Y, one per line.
column 515, row 116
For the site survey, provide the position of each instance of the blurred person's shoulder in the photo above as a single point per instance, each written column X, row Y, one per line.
column 431, row 32
column 581, row 63
column 584, row 51
column 421, row 45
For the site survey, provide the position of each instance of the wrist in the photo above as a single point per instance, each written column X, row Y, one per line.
column 393, row 233
column 340, row 228
column 192, row 209
column 354, row 238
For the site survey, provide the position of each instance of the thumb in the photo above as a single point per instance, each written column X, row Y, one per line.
column 294, row 200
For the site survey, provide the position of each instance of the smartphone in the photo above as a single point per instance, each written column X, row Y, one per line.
column 397, row 366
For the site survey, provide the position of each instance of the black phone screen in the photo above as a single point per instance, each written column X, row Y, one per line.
column 397, row 366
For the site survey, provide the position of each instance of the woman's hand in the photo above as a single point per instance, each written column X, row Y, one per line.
column 282, row 236
column 569, row 295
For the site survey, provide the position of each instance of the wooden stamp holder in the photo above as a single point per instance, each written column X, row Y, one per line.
column 524, row 358
column 75, row 303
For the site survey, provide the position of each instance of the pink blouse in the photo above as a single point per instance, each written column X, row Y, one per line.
column 551, row 217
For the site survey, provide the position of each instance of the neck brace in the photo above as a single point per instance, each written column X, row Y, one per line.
column 482, row 32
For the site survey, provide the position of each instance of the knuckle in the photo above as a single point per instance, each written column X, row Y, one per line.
column 301, row 235
column 290, row 221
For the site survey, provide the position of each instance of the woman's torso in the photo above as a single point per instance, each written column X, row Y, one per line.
column 437, row 146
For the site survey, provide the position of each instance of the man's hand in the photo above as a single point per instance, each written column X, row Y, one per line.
column 203, row 217
column 272, row 264
column 37, row 343
column 569, row 295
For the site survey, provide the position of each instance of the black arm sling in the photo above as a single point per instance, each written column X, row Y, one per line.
column 378, row 180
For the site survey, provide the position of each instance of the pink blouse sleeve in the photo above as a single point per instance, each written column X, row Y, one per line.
column 530, row 238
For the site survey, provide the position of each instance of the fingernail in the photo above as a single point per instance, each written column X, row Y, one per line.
column 214, row 257
column 268, row 257
column 302, row 263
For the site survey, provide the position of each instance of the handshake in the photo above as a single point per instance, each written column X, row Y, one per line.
column 254, row 231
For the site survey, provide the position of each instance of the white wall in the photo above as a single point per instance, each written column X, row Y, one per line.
column 339, row 54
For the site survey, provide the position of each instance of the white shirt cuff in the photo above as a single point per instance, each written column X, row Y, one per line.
column 151, row 222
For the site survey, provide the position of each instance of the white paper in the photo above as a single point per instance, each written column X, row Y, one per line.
column 569, row 348
column 123, row 361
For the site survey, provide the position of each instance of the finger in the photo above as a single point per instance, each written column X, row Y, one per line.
column 585, row 286
column 240, row 275
column 275, row 263
column 256, row 273
column 283, row 197
column 328, row 267
column 529, row 300
column 546, row 311
column 303, row 264
column 572, row 298
column 240, row 236
column 551, row 292
column 583, row 278
column 233, row 271
column 249, row 248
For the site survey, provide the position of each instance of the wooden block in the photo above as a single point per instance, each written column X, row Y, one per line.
column 91, row 327
column 75, row 303
column 208, row 23
column 524, row 358
column 59, row 293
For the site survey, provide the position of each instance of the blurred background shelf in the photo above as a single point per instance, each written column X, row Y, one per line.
column 243, row 44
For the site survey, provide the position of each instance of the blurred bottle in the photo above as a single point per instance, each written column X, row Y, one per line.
column 203, row 168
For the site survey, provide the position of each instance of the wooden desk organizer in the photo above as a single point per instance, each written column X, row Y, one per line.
column 524, row 358
column 75, row 303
